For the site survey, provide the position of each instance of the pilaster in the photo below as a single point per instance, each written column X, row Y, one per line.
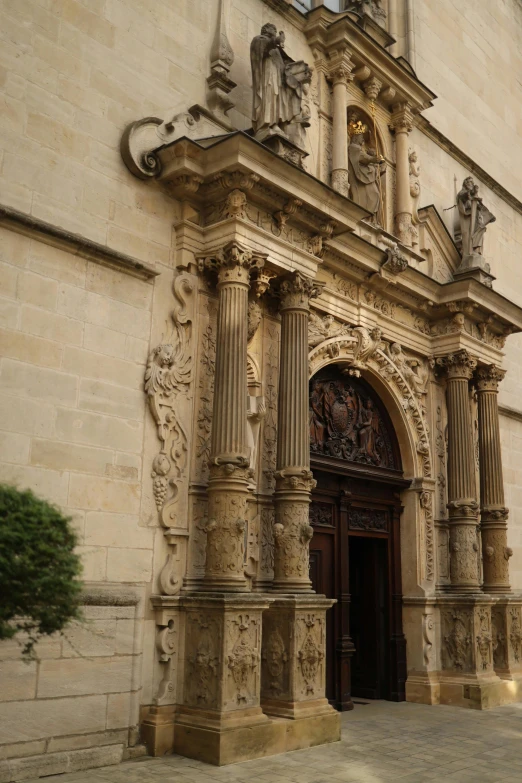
column 493, row 514
column 462, row 501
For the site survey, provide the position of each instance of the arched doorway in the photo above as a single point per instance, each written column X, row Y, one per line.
column 355, row 549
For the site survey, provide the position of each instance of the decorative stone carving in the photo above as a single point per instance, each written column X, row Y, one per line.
column 499, row 638
column 221, row 60
column 166, row 643
column 367, row 343
column 428, row 626
column 203, row 640
column 244, row 658
column 484, row 639
column 515, row 633
column 396, row 263
column 474, row 219
column 167, row 376
column 371, row 8
column 321, row 514
column 456, row 631
column 322, row 328
column 413, row 370
column 206, row 395
column 368, row 520
column 280, row 86
column 310, row 655
column 415, row 187
column 267, row 543
column 270, row 420
column 275, row 659
column 426, row 504
column 365, row 169
column 235, row 205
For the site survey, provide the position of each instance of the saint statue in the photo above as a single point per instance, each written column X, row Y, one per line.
column 365, row 168
column 280, row 85
column 474, row 218
column 371, row 8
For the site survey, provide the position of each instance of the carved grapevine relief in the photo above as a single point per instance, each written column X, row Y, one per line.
column 270, row 420
column 167, row 377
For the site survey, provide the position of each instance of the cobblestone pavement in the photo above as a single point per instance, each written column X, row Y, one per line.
column 381, row 742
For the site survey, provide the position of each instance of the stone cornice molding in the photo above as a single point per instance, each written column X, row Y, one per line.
column 327, row 31
column 76, row 244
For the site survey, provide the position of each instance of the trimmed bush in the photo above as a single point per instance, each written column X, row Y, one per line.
column 39, row 570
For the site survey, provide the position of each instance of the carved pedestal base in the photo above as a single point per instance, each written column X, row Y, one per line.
column 293, row 657
column 285, row 148
column 477, row 267
column 157, row 730
column 506, row 631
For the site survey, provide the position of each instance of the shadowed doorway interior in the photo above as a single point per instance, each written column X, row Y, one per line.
column 355, row 549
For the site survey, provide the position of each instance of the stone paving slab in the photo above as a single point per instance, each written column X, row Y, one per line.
column 381, row 742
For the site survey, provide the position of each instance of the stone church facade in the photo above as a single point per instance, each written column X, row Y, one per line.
column 256, row 346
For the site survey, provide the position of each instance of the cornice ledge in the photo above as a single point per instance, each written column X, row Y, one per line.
column 76, row 244
column 287, row 10
column 509, row 412
column 468, row 163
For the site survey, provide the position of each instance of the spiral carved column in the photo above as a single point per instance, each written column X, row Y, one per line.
column 494, row 515
column 229, row 457
column 293, row 477
column 462, row 502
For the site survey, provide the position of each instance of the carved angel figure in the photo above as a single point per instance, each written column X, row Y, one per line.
column 412, row 370
column 320, row 329
column 367, row 343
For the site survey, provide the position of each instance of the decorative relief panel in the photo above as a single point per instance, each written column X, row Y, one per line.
column 484, row 639
column 499, row 638
column 167, row 643
column 198, row 536
column 205, row 392
column 375, row 520
column 515, row 633
column 310, row 634
column 275, row 657
column 457, row 640
column 426, row 504
column 269, row 424
column 346, row 422
column 243, row 657
column 321, row 514
column 204, row 640
column 267, row 543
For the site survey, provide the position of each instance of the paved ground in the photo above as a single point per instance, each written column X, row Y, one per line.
column 381, row 742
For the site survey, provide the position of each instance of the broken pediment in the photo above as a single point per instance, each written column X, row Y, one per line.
column 437, row 246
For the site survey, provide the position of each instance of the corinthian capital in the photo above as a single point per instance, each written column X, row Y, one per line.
column 488, row 377
column 340, row 68
column 402, row 118
column 458, row 365
column 233, row 262
column 296, row 290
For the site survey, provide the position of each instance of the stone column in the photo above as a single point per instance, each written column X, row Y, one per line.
column 229, row 457
column 292, row 530
column 402, row 123
column 340, row 73
column 495, row 551
column 462, row 503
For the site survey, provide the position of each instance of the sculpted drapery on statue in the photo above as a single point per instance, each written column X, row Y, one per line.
column 365, row 168
column 279, row 85
column 474, row 218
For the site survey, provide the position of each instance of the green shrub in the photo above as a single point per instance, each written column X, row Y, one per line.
column 39, row 570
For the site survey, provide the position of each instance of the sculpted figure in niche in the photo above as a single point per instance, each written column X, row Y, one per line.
column 474, row 218
column 280, row 85
column 365, row 169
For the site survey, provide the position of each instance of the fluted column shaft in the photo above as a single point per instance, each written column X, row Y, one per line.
column 292, row 530
column 229, row 457
column 341, row 75
column 462, row 502
column 402, row 123
column 493, row 513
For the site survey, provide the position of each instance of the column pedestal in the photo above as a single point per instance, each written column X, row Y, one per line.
column 294, row 669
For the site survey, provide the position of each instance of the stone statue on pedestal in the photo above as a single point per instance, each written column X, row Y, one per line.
column 474, row 219
column 280, row 87
column 371, row 8
column 365, row 168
